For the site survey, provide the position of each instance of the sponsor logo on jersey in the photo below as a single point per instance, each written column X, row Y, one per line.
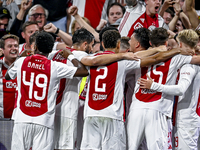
column 138, row 25
column 29, row 103
column 147, row 91
column 36, row 66
column 187, row 73
column 97, row 97
column 11, row 85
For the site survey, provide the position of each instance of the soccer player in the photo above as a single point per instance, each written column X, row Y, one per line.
column 138, row 15
column 37, row 79
column 10, row 45
column 68, row 94
column 188, row 108
column 104, row 101
column 149, row 109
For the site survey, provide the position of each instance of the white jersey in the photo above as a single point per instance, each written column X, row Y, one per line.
column 37, row 79
column 106, row 89
column 21, row 48
column 131, row 79
column 68, row 91
column 187, row 103
column 163, row 73
column 136, row 17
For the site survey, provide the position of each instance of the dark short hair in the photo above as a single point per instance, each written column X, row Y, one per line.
column 33, row 37
column 82, row 35
column 117, row 4
column 110, row 38
column 168, row 10
column 28, row 23
column 104, row 30
column 44, row 42
column 142, row 36
column 158, row 36
column 124, row 42
column 8, row 36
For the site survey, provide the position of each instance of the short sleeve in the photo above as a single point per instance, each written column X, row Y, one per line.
column 65, row 71
column 13, row 70
column 79, row 54
column 132, row 64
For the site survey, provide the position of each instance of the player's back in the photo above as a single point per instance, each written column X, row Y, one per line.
column 67, row 94
column 106, row 89
column 163, row 73
column 37, row 86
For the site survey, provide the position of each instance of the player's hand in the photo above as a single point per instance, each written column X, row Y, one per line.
column 197, row 50
column 144, row 83
column 50, row 27
column 73, row 10
column 65, row 53
column 27, row 52
column 187, row 51
column 130, row 56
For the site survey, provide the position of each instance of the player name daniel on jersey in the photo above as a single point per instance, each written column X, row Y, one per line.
column 36, row 66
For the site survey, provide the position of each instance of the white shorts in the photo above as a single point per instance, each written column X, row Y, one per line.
column 65, row 133
column 101, row 133
column 150, row 124
column 169, row 122
column 186, row 138
column 27, row 135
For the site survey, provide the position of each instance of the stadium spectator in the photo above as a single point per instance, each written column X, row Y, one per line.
column 4, row 19
column 9, row 44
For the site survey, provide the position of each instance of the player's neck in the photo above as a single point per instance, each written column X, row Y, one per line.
column 77, row 47
column 41, row 53
column 111, row 49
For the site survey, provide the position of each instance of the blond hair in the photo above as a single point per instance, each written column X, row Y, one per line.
column 188, row 37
